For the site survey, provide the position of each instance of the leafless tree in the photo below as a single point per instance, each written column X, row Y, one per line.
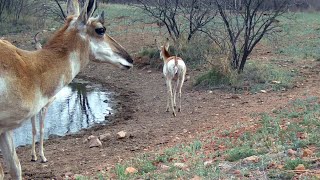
column 198, row 13
column 246, row 23
column 175, row 14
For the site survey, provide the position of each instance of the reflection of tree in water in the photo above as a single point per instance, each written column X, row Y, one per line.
column 81, row 99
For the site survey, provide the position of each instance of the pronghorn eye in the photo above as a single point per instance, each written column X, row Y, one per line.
column 100, row 31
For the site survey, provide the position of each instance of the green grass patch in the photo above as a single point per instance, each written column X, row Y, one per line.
column 213, row 79
column 238, row 153
column 291, row 164
column 267, row 76
column 300, row 36
column 256, row 76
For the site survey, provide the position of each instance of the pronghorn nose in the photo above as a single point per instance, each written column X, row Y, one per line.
column 130, row 60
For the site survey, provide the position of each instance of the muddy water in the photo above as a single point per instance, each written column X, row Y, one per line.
column 78, row 106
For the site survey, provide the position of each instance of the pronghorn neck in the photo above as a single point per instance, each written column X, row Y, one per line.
column 166, row 55
column 61, row 59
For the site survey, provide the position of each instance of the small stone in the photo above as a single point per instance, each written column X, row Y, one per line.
column 91, row 137
column 307, row 152
column 291, row 152
column 196, row 178
column 105, row 136
column 276, row 82
column 121, row 134
column 300, row 167
column 68, row 174
column 263, row 91
column 235, row 96
column 164, row 167
column 94, row 142
column 130, row 170
column 210, row 92
column 252, row 159
column 237, row 172
column 180, row 165
column 149, row 71
column 208, row 163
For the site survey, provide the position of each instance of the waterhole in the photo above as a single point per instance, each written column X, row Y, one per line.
column 78, row 106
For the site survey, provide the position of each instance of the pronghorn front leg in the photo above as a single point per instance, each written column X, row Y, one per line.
column 9, row 153
column 34, row 134
column 41, row 126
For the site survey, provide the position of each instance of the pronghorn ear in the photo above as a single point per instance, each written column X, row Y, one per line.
column 87, row 10
column 101, row 18
column 167, row 45
column 73, row 8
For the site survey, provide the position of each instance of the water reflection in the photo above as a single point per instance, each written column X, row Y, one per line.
column 78, row 106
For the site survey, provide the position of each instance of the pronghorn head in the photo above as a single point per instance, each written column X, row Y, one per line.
column 164, row 49
column 102, row 47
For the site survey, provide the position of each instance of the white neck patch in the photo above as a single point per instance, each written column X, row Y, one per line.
column 74, row 59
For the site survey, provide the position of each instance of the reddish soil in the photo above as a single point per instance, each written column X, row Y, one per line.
column 141, row 113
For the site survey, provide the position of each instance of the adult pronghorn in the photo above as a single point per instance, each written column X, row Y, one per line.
column 174, row 69
column 28, row 80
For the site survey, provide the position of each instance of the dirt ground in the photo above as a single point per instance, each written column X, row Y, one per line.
column 141, row 113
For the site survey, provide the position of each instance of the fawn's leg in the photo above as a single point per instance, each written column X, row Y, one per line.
column 179, row 89
column 171, row 96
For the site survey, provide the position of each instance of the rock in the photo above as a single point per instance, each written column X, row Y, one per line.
column 91, row 137
column 252, row 159
column 94, row 142
column 180, row 165
column 237, row 172
column 196, row 178
column 302, row 135
column 263, row 91
column 68, row 174
column 307, row 152
column 164, row 167
column 121, row 134
column 234, row 96
column 225, row 166
column 106, row 136
column 300, row 167
column 276, row 82
column 130, row 170
column 208, row 163
column 291, row 152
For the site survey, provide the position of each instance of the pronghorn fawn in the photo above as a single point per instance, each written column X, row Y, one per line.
column 174, row 69
column 30, row 79
column 42, row 115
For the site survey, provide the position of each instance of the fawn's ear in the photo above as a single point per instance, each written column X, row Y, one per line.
column 167, row 45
